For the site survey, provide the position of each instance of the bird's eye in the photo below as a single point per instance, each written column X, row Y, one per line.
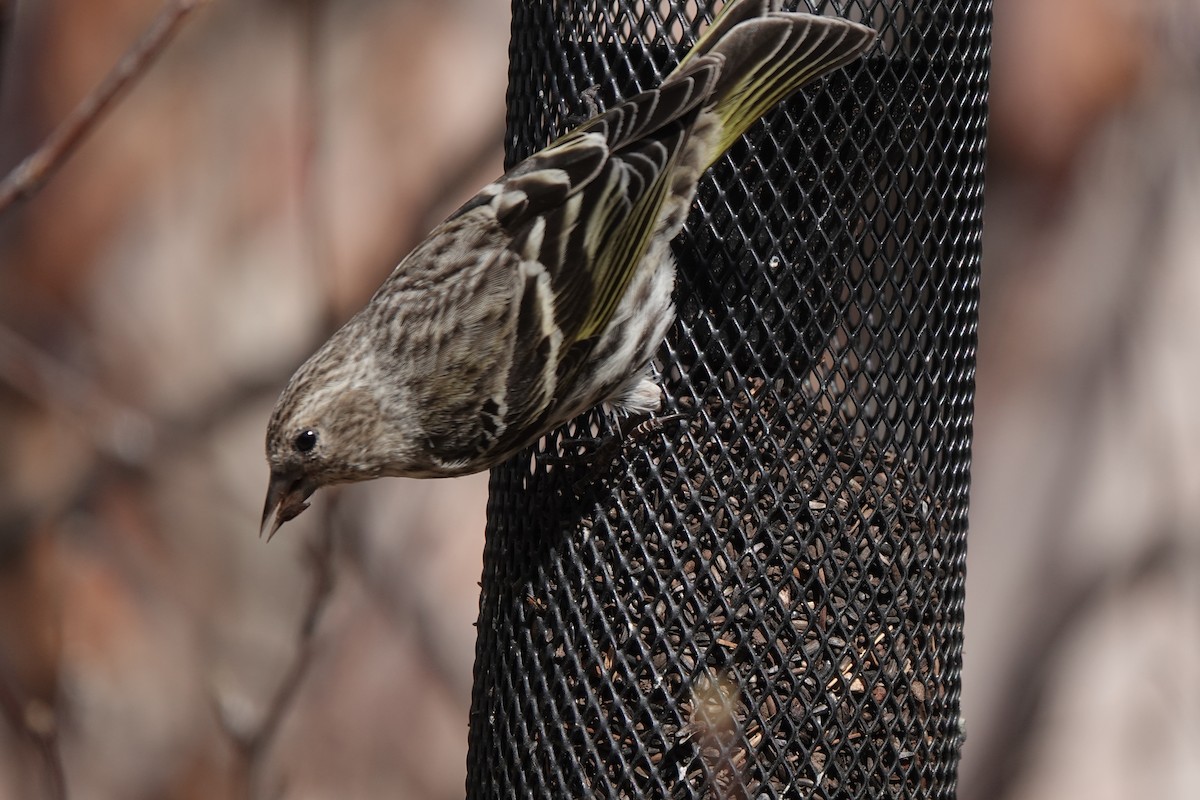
column 306, row 440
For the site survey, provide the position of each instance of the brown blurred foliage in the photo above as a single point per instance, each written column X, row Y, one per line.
column 1083, row 626
column 254, row 186
column 261, row 179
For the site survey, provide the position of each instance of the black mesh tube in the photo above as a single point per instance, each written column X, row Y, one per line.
column 761, row 595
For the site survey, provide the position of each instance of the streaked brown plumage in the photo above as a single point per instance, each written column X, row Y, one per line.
column 550, row 290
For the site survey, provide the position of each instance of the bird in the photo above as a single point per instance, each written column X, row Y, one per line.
column 548, row 292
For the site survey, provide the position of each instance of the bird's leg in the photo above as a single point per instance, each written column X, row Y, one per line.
column 603, row 447
column 589, row 99
column 630, row 430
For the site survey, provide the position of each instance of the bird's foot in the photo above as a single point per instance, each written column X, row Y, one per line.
column 604, row 451
column 589, row 100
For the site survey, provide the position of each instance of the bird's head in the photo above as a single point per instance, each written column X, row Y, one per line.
column 328, row 427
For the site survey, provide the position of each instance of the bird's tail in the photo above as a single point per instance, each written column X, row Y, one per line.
column 766, row 55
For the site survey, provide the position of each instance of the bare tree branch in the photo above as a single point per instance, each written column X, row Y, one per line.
column 6, row 18
column 462, row 177
column 404, row 607
column 31, row 174
column 1009, row 744
column 120, row 433
column 38, row 730
column 313, row 208
column 252, row 747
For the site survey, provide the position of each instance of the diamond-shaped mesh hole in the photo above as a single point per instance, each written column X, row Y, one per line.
column 762, row 598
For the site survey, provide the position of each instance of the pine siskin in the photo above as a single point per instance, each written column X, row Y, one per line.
column 547, row 293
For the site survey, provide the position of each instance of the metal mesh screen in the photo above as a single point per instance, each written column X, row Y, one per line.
column 761, row 597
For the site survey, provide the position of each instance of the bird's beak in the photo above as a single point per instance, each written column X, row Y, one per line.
column 286, row 494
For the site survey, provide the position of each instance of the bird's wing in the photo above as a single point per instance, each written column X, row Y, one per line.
column 570, row 225
column 585, row 207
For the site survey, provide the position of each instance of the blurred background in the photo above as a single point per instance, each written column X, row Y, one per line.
column 267, row 173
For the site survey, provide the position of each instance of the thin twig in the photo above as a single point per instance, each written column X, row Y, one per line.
column 42, row 737
column 252, row 747
column 313, row 208
column 461, row 177
column 1009, row 745
column 1108, row 361
column 31, row 174
column 403, row 607
column 320, row 558
column 6, row 19
column 120, row 433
